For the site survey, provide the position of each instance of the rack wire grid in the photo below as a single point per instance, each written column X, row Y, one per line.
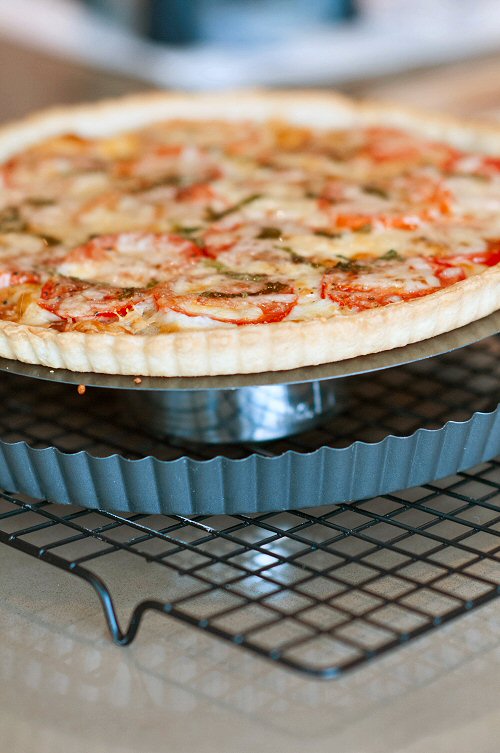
column 320, row 590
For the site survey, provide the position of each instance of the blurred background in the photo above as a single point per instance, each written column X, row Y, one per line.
column 441, row 54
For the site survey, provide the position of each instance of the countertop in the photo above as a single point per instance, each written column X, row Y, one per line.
column 65, row 687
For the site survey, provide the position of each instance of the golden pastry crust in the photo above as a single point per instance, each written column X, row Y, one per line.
column 260, row 347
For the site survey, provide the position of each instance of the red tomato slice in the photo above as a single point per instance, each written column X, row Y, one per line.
column 218, row 239
column 490, row 165
column 130, row 259
column 344, row 287
column 448, row 274
column 360, row 299
column 229, row 301
column 472, row 164
column 386, row 144
column 411, row 199
column 490, row 257
column 198, row 193
column 60, row 157
column 74, row 300
column 166, row 163
column 154, row 160
column 10, row 277
column 359, row 221
column 170, row 247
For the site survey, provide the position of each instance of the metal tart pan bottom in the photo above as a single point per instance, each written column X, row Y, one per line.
column 247, row 414
column 401, row 427
column 252, row 407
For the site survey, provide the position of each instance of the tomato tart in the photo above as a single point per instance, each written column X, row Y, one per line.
column 183, row 235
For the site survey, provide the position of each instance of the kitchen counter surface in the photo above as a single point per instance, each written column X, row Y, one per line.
column 65, row 687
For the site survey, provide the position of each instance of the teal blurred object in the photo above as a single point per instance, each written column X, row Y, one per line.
column 240, row 21
column 229, row 22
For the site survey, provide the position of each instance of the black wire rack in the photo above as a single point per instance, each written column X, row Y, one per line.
column 321, row 590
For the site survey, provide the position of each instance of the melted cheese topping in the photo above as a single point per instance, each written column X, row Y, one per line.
column 189, row 224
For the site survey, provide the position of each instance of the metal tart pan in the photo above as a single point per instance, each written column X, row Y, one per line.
column 253, row 484
column 270, row 478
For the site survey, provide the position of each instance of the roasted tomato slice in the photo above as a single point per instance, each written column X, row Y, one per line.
column 75, row 300
column 448, row 273
column 384, row 144
column 358, row 222
column 130, row 259
column 225, row 299
column 490, row 257
column 197, row 193
column 19, row 260
column 361, row 286
column 165, row 164
column 462, row 163
column 13, row 276
column 61, row 157
column 408, row 201
column 222, row 237
column 358, row 298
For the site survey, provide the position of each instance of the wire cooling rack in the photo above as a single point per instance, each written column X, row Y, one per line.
column 321, row 591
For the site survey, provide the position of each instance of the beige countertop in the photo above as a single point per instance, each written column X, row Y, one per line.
column 65, row 687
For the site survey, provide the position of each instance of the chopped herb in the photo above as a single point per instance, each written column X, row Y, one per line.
column 227, row 272
column 213, row 216
column 39, row 201
column 327, row 234
column 198, row 242
column 218, row 294
column 166, row 180
column 188, row 233
column 49, row 240
column 273, row 286
column 376, row 191
column 295, row 257
column 152, row 283
column 298, row 259
column 349, row 265
column 269, row 232
column 245, row 277
column 217, row 265
column 126, row 293
column 181, row 230
column 11, row 221
column 391, row 255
